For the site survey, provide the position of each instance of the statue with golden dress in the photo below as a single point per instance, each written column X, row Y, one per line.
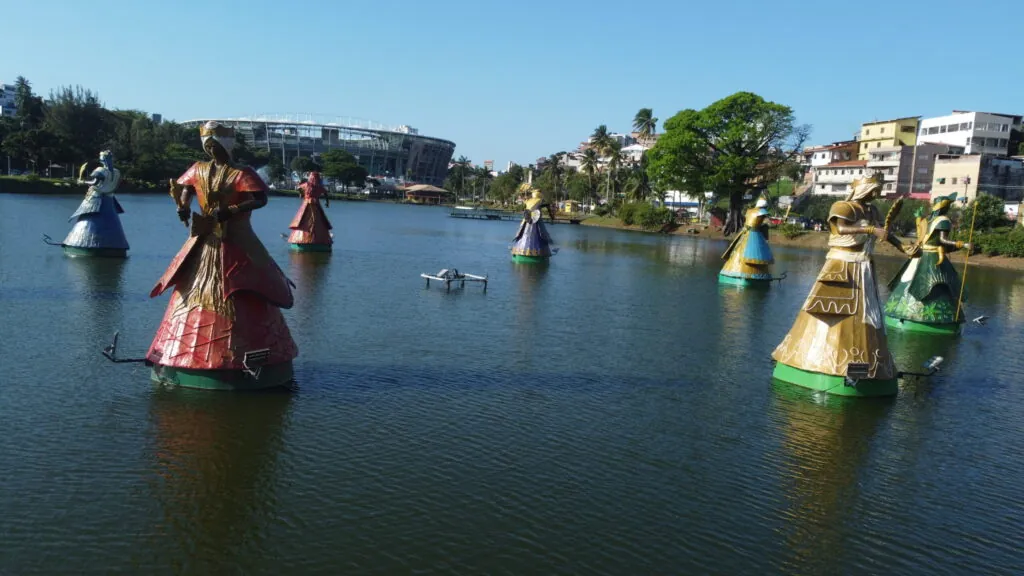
column 838, row 342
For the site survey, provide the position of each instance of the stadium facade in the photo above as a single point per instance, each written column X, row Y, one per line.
column 388, row 153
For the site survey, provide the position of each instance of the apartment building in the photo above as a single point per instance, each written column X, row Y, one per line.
column 976, row 132
column 886, row 133
column 971, row 174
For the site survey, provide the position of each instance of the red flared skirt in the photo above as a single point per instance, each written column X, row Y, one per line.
column 200, row 339
column 310, row 225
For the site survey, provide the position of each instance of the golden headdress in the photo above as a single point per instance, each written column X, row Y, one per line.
column 862, row 188
column 940, row 203
column 223, row 135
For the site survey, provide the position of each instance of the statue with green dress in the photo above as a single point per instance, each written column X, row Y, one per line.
column 925, row 295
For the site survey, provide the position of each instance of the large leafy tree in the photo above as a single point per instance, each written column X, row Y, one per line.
column 79, row 121
column 303, row 164
column 733, row 147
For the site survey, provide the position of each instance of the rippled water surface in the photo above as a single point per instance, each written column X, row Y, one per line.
column 612, row 413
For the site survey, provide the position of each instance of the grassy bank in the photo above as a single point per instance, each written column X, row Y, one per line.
column 818, row 241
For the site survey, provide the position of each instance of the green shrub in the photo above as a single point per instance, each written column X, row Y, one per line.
column 33, row 177
column 998, row 243
column 627, row 213
column 791, row 231
column 652, row 217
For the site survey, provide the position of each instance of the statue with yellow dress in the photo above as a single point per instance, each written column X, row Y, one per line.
column 838, row 342
column 532, row 243
column 748, row 259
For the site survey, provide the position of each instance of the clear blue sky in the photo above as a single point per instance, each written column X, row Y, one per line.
column 518, row 80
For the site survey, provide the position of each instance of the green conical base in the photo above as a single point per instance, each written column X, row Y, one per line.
column 746, row 282
column 529, row 259
column 96, row 252
column 273, row 376
column 310, row 247
column 921, row 327
column 834, row 384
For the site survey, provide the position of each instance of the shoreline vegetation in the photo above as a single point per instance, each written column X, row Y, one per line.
column 810, row 240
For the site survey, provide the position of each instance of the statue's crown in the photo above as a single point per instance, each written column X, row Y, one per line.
column 216, row 129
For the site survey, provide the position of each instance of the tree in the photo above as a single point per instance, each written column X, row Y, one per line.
column 991, row 213
column 645, row 124
column 589, row 166
column 303, row 164
column 30, row 108
column 732, row 147
column 353, row 175
column 614, row 155
column 336, row 163
column 554, row 167
column 276, row 168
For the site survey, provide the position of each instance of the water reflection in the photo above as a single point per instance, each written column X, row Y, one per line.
column 214, row 460
column 98, row 281
column 309, row 271
column 826, row 441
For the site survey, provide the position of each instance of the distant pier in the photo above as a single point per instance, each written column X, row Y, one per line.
column 492, row 214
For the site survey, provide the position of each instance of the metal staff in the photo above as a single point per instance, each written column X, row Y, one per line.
column 963, row 278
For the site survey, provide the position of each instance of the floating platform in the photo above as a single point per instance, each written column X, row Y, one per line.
column 266, row 377
column 310, row 247
column 76, row 252
column 745, row 282
column 530, row 259
column 447, row 277
column 922, row 328
column 837, row 385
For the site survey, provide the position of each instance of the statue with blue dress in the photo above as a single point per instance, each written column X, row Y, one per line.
column 748, row 259
column 97, row 230
column 924, row 296
column 532, row 243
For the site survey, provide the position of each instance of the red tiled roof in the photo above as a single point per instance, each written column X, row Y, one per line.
column 847, row 163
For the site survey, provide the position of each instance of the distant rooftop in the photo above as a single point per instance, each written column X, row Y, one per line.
column 893, row 120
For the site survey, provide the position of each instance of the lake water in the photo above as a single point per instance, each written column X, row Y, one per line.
column 612, row 413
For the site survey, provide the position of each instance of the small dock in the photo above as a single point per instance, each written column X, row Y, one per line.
column 484, row 214
column 491, row 214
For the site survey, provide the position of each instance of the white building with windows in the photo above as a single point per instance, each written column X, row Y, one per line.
column 835, row 179
column 7, row 107
column 976, row 132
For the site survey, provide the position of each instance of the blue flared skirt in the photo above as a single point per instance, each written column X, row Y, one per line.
column 97, row 225
column 756, row 250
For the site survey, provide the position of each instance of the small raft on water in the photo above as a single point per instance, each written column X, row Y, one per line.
column 448, row 276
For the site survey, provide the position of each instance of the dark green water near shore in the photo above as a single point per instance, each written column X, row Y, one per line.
column 611, row 413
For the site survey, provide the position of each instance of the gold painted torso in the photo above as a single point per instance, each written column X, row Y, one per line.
column 214, row 185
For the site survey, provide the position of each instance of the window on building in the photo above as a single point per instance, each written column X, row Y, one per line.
column 864, row 146
column 889, row 171
column 821, row 186
column 1004, row 127
column 968, row 140
column 838, row 187
column 861, row 171
column 1003, row 143
column 970, row 125
column 991, row 142
column 867, row 131
column 908, row 129
column 882, row 130
column 940, row 180
column 953, row 180
column 888, row 186
column 942, row 129
column 922, row 170
column 964, row 126
column 952, row 128
column 878, row 144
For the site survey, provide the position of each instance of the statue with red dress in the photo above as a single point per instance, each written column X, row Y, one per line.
column 223, row 328
column 311, row 230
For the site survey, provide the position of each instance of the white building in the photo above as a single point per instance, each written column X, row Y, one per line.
column 835, row 152
column 899, row 169
column 7, row 107
column 976, row 132
column 835, row 179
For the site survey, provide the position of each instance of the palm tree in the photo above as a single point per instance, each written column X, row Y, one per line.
column 554, row 165
column 601, row 139
column 614, row 155
column 463, row 164
column 645, row 124
column 589, row 165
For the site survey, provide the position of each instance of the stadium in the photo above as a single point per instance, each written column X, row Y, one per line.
column 389, row 154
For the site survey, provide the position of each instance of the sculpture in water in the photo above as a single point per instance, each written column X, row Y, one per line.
column 532, row 242
column 838, row 343
column 924, row 296
column 223, row 327
column 311, row 230
column 748, row 259
column 97, row 230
